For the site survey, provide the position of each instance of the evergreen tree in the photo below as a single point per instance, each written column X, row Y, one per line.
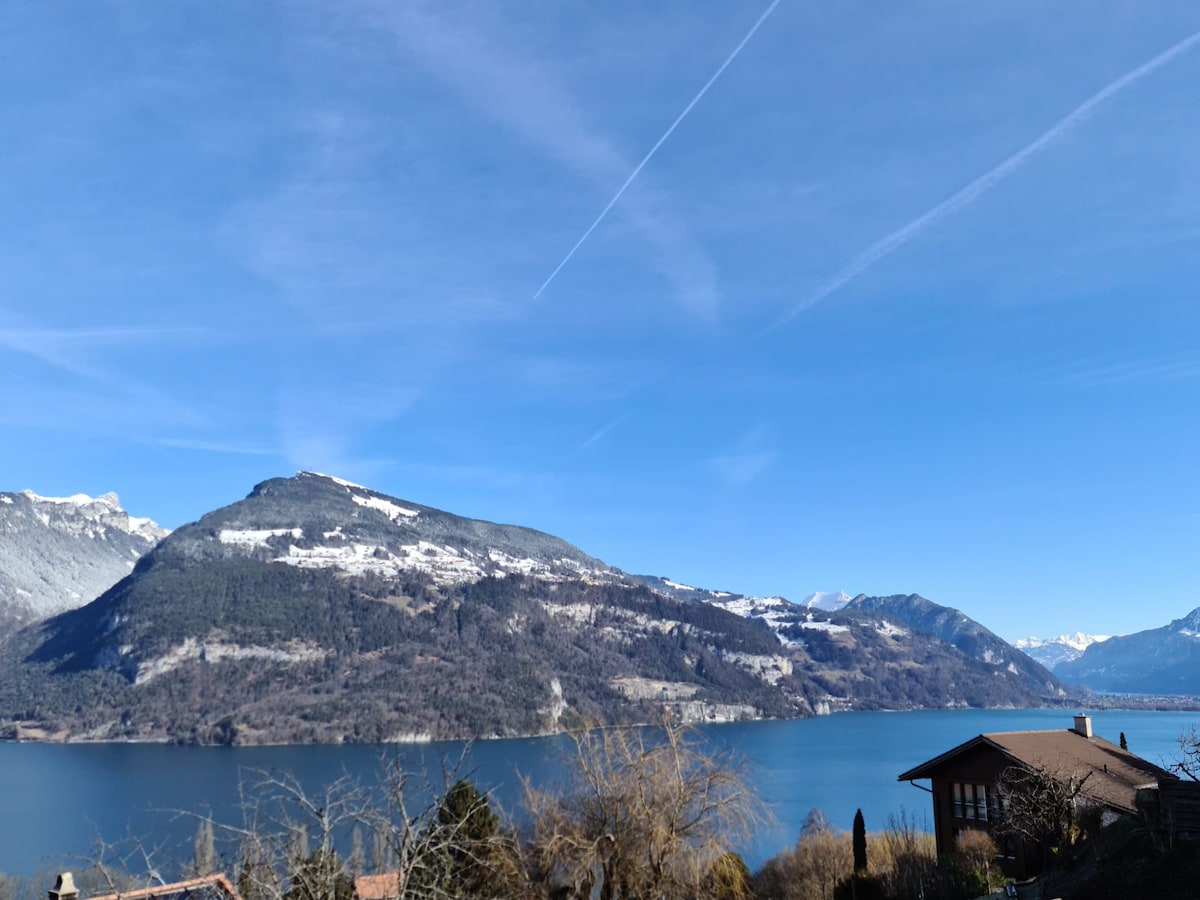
column 860, row 843
column 1124, row 743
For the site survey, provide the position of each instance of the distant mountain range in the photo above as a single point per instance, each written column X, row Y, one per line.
column 1051, row 652
column 320, row 610
column 1162, row 660
column 58, row 553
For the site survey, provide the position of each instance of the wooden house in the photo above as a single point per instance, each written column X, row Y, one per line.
column 964, row 783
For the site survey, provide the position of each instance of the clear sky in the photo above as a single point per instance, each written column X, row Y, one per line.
column 905, row 302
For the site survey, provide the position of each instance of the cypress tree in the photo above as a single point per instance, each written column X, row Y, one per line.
column 860, row 843
column 1124, row 743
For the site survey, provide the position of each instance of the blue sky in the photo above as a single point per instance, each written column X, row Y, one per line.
column 905, row 302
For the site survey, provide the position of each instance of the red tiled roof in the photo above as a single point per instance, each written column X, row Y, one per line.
column 377, row 887
column 210, row 887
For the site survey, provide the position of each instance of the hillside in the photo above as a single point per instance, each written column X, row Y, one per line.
column 320, row 610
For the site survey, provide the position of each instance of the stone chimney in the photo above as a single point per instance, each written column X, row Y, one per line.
column 64, row 888
column 1083, row 726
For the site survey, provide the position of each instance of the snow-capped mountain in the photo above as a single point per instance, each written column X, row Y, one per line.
column 1064, row 648
column 58, row 553
column 827, row 600
column 1162, row 660
column 316, row 609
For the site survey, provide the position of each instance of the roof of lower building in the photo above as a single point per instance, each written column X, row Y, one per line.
column 377, row 887
column 210, row 887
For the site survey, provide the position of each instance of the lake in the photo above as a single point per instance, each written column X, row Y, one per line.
column 57, row 799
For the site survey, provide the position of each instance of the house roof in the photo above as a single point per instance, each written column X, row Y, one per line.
column 377, row 887
column 1114, row 775
column 211, row 887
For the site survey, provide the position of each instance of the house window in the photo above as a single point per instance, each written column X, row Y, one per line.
column 970, row 801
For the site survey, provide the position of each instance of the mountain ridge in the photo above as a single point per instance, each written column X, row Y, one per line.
column 316, row 609
column 1163, row 660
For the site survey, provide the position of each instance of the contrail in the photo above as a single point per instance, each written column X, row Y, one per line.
column 662, row 140
column 986, row 181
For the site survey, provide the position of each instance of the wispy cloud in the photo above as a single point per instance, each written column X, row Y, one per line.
column 750, row 458
column 232, row 448
column 523, row 95
column 1096, row 373
column 74, row 349
column 988, row 180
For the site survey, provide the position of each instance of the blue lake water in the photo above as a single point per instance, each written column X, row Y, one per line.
column 56, row 800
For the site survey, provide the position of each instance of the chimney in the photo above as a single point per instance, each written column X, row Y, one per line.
column 1083, row 726
column 64, row 888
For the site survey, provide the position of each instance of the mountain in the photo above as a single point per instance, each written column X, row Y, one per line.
column 58, row 553
column 958, row 630
column 320, row 610
column 1064, row 648
column 1162, row 660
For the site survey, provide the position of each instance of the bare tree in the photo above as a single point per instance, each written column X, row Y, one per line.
column 1039, row 806
column 647, row 812
column 1188, row 765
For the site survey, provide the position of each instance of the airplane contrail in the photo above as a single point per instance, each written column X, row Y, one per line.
column 666, row 134
column 986, row 181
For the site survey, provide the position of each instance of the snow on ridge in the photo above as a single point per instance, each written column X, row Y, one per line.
column 110, row 499
column 392, row 510
column 342, row 481
column 255, row 538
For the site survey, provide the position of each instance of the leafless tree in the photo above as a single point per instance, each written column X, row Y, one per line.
column 1188, row 763
column 1039, row 806
column 646, row 813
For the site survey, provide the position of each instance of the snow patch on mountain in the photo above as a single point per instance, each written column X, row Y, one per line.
column 392, row 510
column 255, row 538
column 828, row 627
column 777, row 612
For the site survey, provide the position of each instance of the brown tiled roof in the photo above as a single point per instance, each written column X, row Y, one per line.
column 210, row 887
column 377, row 887
column 1115, row 774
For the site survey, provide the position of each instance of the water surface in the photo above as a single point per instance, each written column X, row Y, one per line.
column 56, row 800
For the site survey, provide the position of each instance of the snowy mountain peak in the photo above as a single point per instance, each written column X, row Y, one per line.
column 58, row 553
column 830, row 601
column 1189, row 624
column 1050, row 652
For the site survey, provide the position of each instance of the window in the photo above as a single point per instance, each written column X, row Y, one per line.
column 970, row 801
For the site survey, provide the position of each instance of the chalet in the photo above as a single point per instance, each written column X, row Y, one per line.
column 964, row 782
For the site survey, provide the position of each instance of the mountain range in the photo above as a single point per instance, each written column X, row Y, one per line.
column 1051, row 652
column 57, row 553
column 1162, row 660
column 317, row 609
